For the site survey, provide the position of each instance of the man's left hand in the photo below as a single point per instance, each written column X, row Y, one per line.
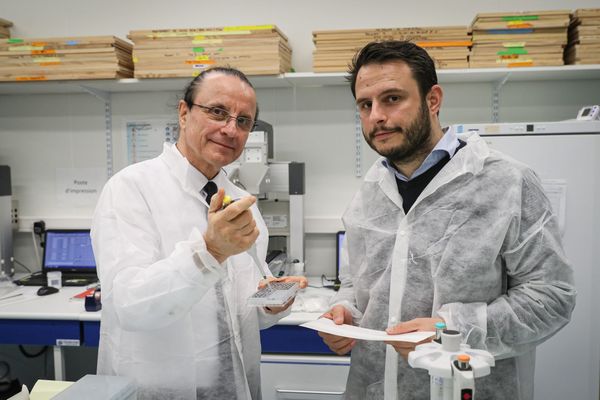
column 302, row 283
column 417, row 324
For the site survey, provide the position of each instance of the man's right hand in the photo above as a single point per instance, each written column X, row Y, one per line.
column 338, row 344
column 232, row 230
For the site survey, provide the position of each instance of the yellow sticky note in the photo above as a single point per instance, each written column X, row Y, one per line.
column 44, row 389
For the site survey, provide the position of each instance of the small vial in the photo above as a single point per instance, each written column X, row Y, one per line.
column 463, row 362
column 439, row 328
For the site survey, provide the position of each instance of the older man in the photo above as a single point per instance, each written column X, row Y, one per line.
column 175, row 275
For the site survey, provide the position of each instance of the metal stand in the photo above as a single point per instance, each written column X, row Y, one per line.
column 59, row 363
column 6, row 234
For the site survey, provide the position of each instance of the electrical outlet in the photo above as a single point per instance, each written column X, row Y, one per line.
column 14, row 214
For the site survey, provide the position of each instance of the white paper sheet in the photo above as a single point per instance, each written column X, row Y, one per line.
column 145, row 138
column 556, row 190
column 328, row 326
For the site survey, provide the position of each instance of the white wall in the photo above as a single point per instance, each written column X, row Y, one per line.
column 297, row 19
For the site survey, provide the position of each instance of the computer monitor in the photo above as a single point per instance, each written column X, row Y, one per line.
column 68, row 250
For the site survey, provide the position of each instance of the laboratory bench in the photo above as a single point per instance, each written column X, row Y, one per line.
column 291, row 354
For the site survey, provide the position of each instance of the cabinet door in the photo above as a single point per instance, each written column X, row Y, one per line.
column 303, row 377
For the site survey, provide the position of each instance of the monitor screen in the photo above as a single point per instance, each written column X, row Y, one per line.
column 69, row 250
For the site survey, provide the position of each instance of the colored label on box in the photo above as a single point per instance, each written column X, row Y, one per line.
column 248, row 27
column 520, row 18
column 513, row 50
column 24, row 48
column 50, row 51
column 30, row 78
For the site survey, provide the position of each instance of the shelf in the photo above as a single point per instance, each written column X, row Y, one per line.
column 25, row 224
column 565, row 72
column 129, row 85
column 302, row 79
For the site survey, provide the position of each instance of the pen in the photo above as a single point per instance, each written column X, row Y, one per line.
column 11, row 296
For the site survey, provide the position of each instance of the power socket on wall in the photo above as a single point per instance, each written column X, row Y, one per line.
column 14, row 214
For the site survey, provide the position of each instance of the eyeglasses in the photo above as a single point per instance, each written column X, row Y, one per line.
column 218, row 114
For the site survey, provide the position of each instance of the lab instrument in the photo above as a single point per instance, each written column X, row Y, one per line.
column 452, row 365
column 279, row 187
column 6, row 234
column 261, row 265
column 589, row 113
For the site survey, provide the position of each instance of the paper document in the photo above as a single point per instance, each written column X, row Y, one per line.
column 328, row 326
column 45, row 389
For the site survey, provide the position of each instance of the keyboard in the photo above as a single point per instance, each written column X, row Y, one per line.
column 276, row 294
column 68, row 279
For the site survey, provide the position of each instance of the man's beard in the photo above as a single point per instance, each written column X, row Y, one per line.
column 416, row 137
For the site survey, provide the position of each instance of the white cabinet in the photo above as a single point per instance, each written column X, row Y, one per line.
column 303, row 377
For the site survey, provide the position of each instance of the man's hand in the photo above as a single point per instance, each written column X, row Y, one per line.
column 300, row 280
column 417, row 324
column 232, row 230
column 302, row 283
column 338, row 344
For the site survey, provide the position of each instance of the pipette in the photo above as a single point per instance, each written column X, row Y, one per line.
column 261, row 266
column 227, row 200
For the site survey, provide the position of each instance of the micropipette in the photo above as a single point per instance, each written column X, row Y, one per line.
column 227, row 200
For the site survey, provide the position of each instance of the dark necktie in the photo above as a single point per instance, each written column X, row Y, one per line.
column 221, row 389
column 210, row 189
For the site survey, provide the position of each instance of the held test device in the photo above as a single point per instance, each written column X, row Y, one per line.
column 275, row 294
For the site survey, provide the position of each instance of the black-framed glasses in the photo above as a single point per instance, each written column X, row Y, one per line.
column 219, row 114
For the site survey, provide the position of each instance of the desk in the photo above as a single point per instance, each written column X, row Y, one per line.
column 54, row 320
column 58, row 320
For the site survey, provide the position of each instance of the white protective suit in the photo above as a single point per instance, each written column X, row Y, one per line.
column 173, row 318
column 479, row 248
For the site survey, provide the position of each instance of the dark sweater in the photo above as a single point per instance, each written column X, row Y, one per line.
column 410, row 191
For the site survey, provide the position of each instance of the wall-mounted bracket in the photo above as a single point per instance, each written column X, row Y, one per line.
column 496, row 97
column 106, row 98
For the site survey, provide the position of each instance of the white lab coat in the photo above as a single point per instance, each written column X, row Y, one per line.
column 480, row 248
column 164, row 320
